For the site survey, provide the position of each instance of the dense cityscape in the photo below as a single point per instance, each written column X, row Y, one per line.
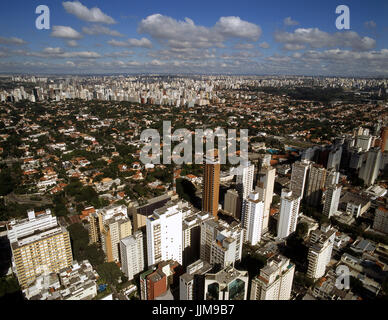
column 193, row 159
column 84, row 218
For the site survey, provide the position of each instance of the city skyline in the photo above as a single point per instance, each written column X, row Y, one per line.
column 93, row 37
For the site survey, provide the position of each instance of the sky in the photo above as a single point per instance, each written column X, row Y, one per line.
column 275, row 37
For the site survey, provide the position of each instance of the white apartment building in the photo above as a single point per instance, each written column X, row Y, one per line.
column 191, row 283
column 288, row 217
column 266, row 181
column 132, row 255
column 321, row 247
column 252, row 219
column 164, row 234
column 244, row 180
column 274, row 281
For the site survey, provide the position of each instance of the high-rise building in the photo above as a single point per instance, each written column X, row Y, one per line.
column 332, row 178
column 364, row 142
column 380, row 222
column 220, row 242
column 370, row 169
column 113, row 225
column 266, row 182
column 334, row 159
column 252, row 220
column 232, row 202
column 384, row 139
column 274, row 281
column 315, row 185
column 227, row 284
column 132, row 255
column 244, row 180
column 39, row 245
column 298, row 177
column 211, row 185
column 319, row 255
column 192, row 283
column 332, row 197
column 164, row 234
column 288, row 217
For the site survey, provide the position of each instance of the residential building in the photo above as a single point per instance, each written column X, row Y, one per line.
column 211, row 185
column 132, row 254
column 252, row 220
column 332, row 198
column 299, row 176
column 274, row 281
column 289, row 211
column 380, row 222
column 192, row 283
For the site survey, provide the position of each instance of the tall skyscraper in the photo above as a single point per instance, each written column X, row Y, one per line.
column 132, row 255
column 319, row 255
column 275, row 280
column 288, row 217
column 39, row 245
column 298, row 177
column 315, row 185
column 266, row 181
column 164, row 234
column 370, row 169
column 332, row 197
column 211, row 184
column 252, row 219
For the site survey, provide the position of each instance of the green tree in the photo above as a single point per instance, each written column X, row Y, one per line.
column 110, row 272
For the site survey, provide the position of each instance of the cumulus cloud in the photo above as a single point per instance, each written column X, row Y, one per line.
column 141, row 43
column 234, row 27
column 244, row 46
column 12, row 41
column 264, row 45
column 294, row 46
column 65, row 33
column 186, row 34
column 84, row 13
column 101, row 30
column 72, row 43
column 316, row 38
column 289, row 22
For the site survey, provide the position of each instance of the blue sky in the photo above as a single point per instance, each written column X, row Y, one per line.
column 214, row 36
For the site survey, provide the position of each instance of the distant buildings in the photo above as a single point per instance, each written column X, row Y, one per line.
column 319, row 255
column 227, row 284
column 274, row 281
column 39, row 245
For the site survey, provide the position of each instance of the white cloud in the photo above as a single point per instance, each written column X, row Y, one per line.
column 141, row 43
column 244, row 46
column 289, row 22
column 293, row 46
column 101, row 30
column 66, row 33
column 234, row 27
column 84, row 13
column 264, row 45
column 186, row 34
column 72, row 43
column 320, row 39
column 12, row 40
